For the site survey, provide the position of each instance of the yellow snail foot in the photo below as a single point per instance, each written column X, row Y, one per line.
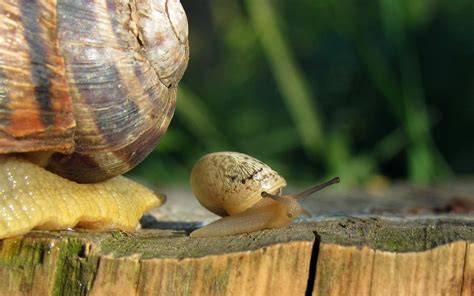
column 34, row 198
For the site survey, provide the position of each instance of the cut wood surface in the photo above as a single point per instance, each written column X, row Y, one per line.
column 360, row 243
column 344, row 270
column 333, row 256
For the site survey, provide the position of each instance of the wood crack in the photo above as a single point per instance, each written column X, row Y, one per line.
column 323, row 258
column 313, row 265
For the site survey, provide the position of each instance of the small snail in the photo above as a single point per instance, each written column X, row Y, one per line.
column 87, row 88
column 246, row 192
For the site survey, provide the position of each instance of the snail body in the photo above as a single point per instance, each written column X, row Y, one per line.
column 32, row 197
column 87, row 88
column 246, row 192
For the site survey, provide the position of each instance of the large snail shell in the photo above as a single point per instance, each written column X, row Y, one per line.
column 227, row 183
column 94, row 81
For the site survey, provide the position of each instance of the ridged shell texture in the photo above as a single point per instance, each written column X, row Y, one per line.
column 96, row 78
column 230, row 182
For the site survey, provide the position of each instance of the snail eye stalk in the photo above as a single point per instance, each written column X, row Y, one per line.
column 314, row 189
column 305, row 193
column 294, row 209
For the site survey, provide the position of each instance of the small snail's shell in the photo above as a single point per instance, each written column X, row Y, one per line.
column 94, row 81
column 227, row 183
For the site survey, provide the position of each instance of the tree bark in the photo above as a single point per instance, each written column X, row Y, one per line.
column 334, row 256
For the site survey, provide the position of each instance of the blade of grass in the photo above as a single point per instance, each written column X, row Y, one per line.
column 405, row 100
column 301, row 102
column 290, row 80
column 425, row 161
column 390, row 145
column 194, row 113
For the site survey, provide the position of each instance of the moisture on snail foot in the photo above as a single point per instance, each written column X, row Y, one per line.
column 34, row 198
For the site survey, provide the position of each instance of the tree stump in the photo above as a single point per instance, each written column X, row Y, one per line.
column 382, row 251
column 340, row 256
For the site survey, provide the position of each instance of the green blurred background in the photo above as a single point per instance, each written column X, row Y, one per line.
column 367, row 90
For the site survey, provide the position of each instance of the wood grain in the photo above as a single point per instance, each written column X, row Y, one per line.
column 349, row 270
column 341, row 256
column 256, row 272
column 435, row 272
column 468, row 280
column 343, row 270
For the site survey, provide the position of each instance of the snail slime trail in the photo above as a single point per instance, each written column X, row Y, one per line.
column 246, row 193
column 87, row 89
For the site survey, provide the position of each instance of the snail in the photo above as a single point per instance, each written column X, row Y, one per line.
column 87, row 88
column 245, row 192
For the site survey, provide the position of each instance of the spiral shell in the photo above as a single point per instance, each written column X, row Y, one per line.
column 227, row 183
column 246, row 192
column 93, row 81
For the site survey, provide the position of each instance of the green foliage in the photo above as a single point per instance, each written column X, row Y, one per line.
column 316, row 88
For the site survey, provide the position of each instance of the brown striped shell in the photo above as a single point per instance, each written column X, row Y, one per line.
column 93, row 81
column 227, row 183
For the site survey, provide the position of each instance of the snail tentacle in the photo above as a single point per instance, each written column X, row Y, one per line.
column 316, row 188
column 294, row 209
column 248, row 191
